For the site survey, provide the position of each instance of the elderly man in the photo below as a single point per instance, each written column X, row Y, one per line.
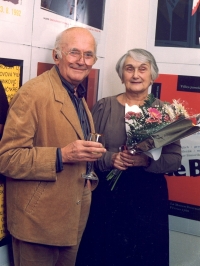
column 43, row 153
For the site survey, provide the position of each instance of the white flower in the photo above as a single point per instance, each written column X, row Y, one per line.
column 179, row 108
column 169, row 110
column 133, row 108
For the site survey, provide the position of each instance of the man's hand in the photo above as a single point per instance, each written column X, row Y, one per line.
column 82, row 151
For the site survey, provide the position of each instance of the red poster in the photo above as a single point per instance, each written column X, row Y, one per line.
column 184, row 185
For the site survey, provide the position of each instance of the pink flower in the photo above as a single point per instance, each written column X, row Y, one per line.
column 154, row 113
column 130, row 114
column 167, row 118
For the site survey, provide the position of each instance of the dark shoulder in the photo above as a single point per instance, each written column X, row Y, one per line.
column 106, row 99
column 159, row 102
column 103, row 103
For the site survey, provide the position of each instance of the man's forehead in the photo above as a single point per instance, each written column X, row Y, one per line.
column 78, row 44
column 77, row 34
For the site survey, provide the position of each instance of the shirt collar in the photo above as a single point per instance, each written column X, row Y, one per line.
column 80, row 88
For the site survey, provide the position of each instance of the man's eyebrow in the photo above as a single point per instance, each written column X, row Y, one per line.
column 73, row 48
column 76, row 49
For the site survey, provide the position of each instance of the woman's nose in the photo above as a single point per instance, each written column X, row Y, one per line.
column 135, row 73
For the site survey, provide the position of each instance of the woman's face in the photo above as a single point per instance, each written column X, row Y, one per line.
column 136, row 76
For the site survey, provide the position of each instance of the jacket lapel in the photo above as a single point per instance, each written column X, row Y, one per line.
column 67, row 108
column 71, row 115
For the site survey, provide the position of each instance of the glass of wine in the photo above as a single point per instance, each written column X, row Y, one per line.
column 90, row 173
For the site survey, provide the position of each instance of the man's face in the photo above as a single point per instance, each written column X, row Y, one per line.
column 75, row 69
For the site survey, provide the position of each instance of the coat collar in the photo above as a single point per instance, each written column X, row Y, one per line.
column 80, row 89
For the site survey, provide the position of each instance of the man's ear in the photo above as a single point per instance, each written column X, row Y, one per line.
column 55, row 57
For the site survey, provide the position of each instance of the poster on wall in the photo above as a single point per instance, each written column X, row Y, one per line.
column 16, row 21
column 174, row 35
column 14, row 51
column 184, row 184
column 54, row 16
column 11, row 78
column 87, row 12
column 11, row 75
column 3, row 230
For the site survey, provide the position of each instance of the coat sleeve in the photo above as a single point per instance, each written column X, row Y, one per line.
column 20, row 158
column 169, row 161
column 100, row 113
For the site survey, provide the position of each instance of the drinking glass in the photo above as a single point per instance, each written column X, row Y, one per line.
column 96, row 137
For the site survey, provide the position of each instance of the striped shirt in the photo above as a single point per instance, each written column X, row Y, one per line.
column 79, row 107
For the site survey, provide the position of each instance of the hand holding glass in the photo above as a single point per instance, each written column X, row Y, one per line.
column 90, row 173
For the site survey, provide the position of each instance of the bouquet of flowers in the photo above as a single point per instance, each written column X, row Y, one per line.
column 150, row 128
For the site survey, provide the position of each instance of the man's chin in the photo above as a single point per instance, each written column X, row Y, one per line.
column 77, row 80
column 80, row 75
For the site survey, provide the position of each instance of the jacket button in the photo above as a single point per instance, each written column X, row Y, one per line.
column 78, row 202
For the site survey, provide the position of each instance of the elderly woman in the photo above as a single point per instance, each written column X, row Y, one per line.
column 129, row 225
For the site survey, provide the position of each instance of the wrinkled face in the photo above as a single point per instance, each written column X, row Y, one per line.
column 136, row 75
column 75, row 69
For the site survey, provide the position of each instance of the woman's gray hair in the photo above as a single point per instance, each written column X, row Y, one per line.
column 140, row 55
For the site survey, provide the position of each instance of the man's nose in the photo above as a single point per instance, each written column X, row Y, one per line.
column 81, row 58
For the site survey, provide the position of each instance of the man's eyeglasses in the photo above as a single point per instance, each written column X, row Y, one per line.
column 75, row 55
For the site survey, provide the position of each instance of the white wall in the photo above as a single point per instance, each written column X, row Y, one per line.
column 126, row 24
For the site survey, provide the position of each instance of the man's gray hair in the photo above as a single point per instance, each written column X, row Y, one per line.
column 139, row 55
column 57, row 47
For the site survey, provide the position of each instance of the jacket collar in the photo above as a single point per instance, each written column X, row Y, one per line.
column 80, row 89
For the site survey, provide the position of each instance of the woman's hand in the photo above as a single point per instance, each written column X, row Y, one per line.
column 117, row 162
column 130, row 160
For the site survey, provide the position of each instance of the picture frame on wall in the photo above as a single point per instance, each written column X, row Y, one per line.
column 174, row 31
column 177, row 24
